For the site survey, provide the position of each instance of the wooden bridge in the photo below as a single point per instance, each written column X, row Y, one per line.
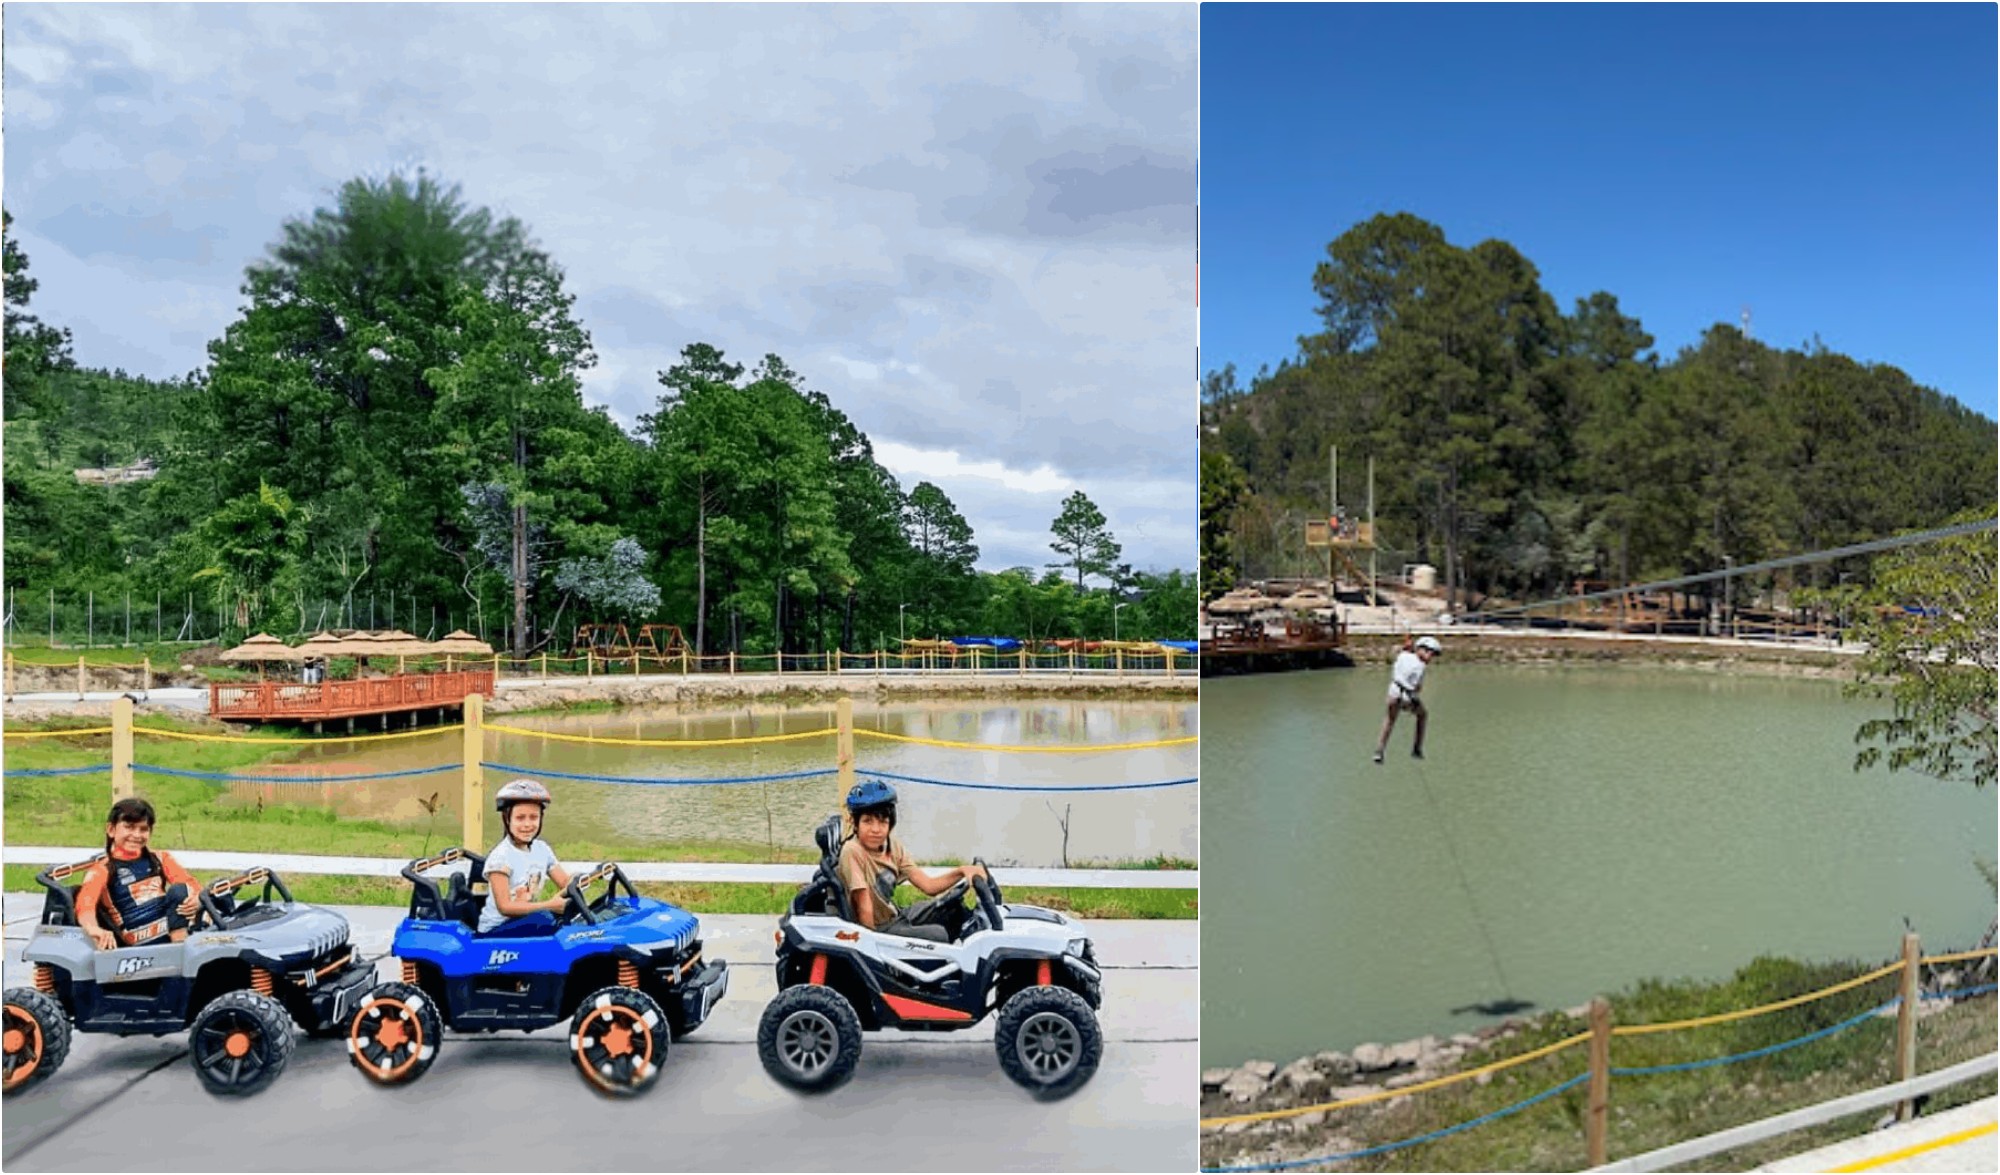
column 407, row 693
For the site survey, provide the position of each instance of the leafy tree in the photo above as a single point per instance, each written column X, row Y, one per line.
column 941, row 541
column 1223, row 490
column 613, row 582
column 701, row 440
column 1083, row 539
column 1929, row 625
column 34, row 348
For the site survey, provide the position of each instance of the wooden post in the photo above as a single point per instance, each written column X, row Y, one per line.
column 1906, row 1025
column 1024, row 660
column 1597, row 1116
column 835, row 670
column 146, row 678
column 589, row 662
column 1170, row 662
column 684, row 661
column 732, row 662
column 79, row 679
column 10, row 676
column 121, row 748
column 545, row 666
column 635, row 662
column 474, row 744
column 1118, row 659
column 844, row 742
column 1072, row 661
column 779, row 657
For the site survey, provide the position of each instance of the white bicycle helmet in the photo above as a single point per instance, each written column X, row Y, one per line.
column 1430, row 643
column 521, row 791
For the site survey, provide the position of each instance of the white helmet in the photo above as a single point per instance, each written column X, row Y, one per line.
column 1430, row 643
column 521, row 791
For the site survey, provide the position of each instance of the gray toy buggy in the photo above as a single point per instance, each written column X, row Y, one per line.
column 248, row 968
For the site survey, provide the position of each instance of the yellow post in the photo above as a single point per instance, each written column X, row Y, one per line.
column 1170, row 662
column 779, row 657
column 545, row 666
column 474, row 744
column 79, row 679
column 1118, row 660
column 684, row 661
column 1597, row 1116
column 732, row 662
column 121, row 748
column 1906, row 1025
column 1024, row 660
column 635, row 662
column 146, row 681
column 844, row 742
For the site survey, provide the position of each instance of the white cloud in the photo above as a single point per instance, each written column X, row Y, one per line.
column 945, row 466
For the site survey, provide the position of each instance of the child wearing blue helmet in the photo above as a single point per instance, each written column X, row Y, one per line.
column 873, row 861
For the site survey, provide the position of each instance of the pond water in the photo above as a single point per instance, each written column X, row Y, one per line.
column 1596, row 826
column 1022, row 829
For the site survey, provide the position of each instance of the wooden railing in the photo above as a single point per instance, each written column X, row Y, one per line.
column 266, row 700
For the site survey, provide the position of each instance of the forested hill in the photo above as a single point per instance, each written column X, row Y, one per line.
column 1519, row 448
column 396, row 415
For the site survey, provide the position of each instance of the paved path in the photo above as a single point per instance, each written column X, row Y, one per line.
column 1961, row 1139
column 933, row 1102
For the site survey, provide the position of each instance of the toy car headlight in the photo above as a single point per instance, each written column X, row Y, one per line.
column 1076, row 946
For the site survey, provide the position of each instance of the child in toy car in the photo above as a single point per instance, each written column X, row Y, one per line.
column 873, row 861
column 518, row 865
column 144, row 894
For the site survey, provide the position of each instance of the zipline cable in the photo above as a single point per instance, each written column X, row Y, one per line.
column 1465, row 883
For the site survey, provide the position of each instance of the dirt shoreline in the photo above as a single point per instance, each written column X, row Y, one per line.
column 1679, row 654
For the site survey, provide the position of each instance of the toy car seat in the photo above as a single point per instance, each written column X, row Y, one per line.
column 824, row 894
column 59, row 905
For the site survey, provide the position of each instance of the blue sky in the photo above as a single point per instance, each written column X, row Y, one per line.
column 972, row 226
column 1831, row 167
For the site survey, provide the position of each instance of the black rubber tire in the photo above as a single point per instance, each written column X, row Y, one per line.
column 411, row 1057
column 809, row 1038
column 1048, row 1041
column 634, row 1021
column 268, row 1029
column 32, row 1010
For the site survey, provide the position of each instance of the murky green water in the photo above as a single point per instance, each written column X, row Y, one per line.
column 1610, row 824
column 1022, row 829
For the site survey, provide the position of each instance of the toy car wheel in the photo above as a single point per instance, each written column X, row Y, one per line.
column 1048, row 1040
column 37, row 1035
column 395, row 1033
column 619, row 1039
column 809, row 1038
column 240, row 1043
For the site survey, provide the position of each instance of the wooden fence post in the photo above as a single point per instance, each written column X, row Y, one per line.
column 1906, row 1025
column 545, row 666
column 79, row 679
column 473, row 745
column 844, row 742
column 635, row 662
column 1170, row 662
column 121, row 748
column 589, row 662
column 684, row 661
column 779, row 659
column 1597, row 1117
column 1024, row 660
column 732, row 662
column 146, row 679
column 10, row 676
column 836, row 665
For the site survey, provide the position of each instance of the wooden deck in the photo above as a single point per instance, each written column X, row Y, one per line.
column 408, row 693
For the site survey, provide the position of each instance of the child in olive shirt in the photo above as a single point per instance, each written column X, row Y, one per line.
column 873, row 861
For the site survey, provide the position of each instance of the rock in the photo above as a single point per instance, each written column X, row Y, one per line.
column 1334, row 1064
column 1212, row 1079
column 1301, row 1074
column 1308, row 1121
column 1343, row 1093
column 1263, row 1069
column 1580, row 1012
column 1235, row 1127
column 1465, row 1040
column 1369, row 1057
column 1245, row 1084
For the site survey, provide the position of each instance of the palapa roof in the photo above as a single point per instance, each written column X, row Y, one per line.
column 263, row 647
column 461, row 643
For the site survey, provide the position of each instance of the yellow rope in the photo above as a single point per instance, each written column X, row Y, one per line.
column 56, row 733
column 332, row 738
column 1746, row 1013
column 1067, row 749
column 1382, row 1095
column 660, row 742
column 1960, row 957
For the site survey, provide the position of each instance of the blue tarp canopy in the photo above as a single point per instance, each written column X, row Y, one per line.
column 1183, row 646
column 1005, row 644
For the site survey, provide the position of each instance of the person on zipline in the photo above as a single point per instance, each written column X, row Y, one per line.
column 1406, row 682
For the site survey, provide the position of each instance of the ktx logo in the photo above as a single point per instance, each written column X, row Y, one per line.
column 501, row 957
column 134, row 966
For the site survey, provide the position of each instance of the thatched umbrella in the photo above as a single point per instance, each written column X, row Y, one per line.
column 261, row 648
column 402, row 646
column 461, row 643
column 1237, row 605
column 1306, row 600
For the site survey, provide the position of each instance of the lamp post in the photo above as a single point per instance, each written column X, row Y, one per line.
column 1114, row 618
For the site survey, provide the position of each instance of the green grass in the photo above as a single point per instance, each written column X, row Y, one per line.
column 164, row 656
column 1655, row 1110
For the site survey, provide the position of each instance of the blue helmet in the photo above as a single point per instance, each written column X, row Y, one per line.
column 872, row 795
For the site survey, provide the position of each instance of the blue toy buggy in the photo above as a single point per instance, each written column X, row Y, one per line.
column 625, row 970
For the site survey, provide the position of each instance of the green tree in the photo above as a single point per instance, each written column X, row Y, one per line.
column 34, row 348
column 1929, row 625
column 1223, row 491
column 1083, row 539
column 941, row 542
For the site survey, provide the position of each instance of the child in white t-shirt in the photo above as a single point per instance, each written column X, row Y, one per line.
column 1406, row 683
column 519, row 864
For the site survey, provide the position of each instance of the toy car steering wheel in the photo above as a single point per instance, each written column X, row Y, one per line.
column 574, row 906
column 989, row 895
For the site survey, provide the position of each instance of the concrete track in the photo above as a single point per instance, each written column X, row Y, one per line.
column 515, row 1103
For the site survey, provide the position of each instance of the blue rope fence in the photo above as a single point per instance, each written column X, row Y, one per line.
column 45, row 771
column 225, row 777
column 1433, row 1136
column 1767, row 1050
column 1958, row 993
column 657, row 781
column 1035, row 787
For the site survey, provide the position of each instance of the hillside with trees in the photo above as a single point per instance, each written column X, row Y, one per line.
column 395, row 420
column 1518, row 448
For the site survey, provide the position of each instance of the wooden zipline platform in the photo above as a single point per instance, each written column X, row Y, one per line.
column 350, row 701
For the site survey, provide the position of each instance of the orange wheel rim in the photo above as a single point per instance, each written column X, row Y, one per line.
column 24, row 1047
column 396, row 1028
column 618, row 1033
column 238, row 1044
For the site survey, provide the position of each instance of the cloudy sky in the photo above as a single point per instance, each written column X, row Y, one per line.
column 971, row 226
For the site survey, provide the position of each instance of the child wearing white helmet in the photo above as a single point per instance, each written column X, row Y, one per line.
column 518, row 865
column 1406, row 682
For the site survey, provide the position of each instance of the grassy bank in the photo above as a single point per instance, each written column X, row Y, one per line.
column 1647, row 1111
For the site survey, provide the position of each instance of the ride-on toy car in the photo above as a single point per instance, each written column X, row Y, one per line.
column 626, row 971
column 246, row 971
column 837, row 979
